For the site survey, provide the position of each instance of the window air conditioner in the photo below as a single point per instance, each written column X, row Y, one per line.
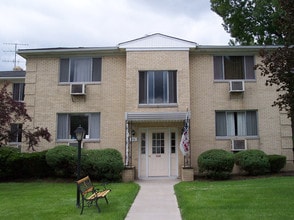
column 237, row 86
column 78, row 89
column 238, row 144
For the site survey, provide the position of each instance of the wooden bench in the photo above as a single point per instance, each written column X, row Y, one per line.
column 90, row 194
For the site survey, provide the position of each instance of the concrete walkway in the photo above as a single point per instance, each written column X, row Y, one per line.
column 155, row 200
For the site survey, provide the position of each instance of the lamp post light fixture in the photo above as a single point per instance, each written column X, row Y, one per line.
column 79, row 132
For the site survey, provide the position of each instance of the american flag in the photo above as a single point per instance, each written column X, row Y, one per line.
column 185, row 140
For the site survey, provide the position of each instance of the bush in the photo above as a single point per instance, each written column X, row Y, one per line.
column 216, row 163
column 63, row 160
column 106, row 164
column 6, row 170
column 254, row 162
column 35, row 165
column 14, row 164
column 277, row 162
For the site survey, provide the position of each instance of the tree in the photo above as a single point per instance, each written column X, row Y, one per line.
column 265, row 22
column 278, row 65
column 251, row 22
column 14, row 112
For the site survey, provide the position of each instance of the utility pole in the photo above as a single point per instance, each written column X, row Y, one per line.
column 14, row 51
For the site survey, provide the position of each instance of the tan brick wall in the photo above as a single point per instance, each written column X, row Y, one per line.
column 45, row 97
column 208, row 96
column 157, row 60
column 118, row 93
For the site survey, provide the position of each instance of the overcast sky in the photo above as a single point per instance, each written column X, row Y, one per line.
column 102, row 23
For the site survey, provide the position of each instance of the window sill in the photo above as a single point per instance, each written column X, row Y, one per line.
column 228, row 80
column 237, row 137
column 158, row 105
column 87, row 83
column 75, row 141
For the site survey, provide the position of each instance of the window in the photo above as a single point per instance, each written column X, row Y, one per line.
column 233, row 67
column 80, row 70
column 157, row 87
column 157, row 143
column 236, row 123
column 173, row 143
column 67, row 123
column 143, row 143
column 15, row 133
column 18, row 92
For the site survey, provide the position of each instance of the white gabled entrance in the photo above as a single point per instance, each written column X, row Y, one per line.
column 158, row 153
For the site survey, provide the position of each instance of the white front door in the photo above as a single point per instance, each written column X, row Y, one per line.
column 158, row 154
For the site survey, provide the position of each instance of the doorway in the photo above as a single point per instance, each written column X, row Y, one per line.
column 158, row 153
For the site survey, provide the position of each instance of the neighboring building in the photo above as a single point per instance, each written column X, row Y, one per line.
column 16, row 80
column 144, row 88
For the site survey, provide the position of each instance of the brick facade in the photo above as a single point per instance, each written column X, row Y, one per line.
column 118, row 93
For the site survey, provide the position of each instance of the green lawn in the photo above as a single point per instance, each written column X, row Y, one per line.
column 52, row 200
column 262, row 198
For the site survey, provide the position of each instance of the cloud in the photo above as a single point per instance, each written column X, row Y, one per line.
column 80, row 23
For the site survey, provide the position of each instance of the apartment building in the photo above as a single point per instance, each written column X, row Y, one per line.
column 136, row 96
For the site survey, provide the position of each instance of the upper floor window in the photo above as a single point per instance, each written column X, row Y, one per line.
column 233, row 67
column 80, row 70
column 157, row 87
column 236, row 123
column 67, row 123
column 18, row 91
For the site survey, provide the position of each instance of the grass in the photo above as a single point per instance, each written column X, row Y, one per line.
column 262, row 198
column 52, row 200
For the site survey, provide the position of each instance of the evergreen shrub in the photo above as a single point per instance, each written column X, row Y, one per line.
column 15, row 165
column 63, row 160
column 277, row 162
column 254, row 162
column 105, row 164
column 216, row 164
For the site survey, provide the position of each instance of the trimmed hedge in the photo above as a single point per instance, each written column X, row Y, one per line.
column 277, row 162
column 106, row 164
column 14, row 164
column 216, row 163
column 254, row 162
column 63, row 160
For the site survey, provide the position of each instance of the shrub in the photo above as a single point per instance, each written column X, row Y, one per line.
column 106, row 164
column 35, row 165
column 63, row 160
column 254, row 162
column 14, row 164
column 216, row 163
column 277, row 162
column 6, row 153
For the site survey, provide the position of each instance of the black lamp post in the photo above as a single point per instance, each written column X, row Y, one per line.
column 79, row 132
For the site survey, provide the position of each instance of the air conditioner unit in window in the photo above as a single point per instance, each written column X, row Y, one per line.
column 78, row 89
column 237, row 86
column 239, row 144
